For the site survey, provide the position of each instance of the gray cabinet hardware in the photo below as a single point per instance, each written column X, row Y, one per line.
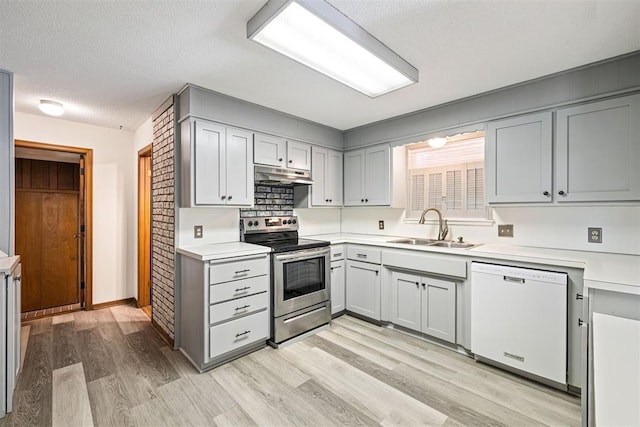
column 243, row 289
column 242, row 333
column 244, row 307
column 243, row 271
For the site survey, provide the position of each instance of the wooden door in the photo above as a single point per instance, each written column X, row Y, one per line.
column 47, row 219
column 144, row 229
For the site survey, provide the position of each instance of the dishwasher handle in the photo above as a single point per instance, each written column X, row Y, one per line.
column 513, row 279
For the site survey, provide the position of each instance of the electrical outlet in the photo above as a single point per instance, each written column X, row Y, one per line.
column 595, row 235
column 505, row 230
column 381, row 225
column 197, row 232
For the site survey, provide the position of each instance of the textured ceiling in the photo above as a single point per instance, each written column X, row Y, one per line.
column 113, row 62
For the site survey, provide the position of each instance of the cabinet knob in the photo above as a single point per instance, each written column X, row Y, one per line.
column 546, row 193
column 290, row 161
column 366, row 200
column 280, row 159
column 361, row 200
column 330, row 200
column 562, row 193
column 326, row 200
column 229, row 197
column 223, row 197
column 424, row 286
column 417, row 284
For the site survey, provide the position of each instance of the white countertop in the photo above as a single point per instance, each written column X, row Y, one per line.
column 222, row 250
column 615, row 272
column 8, row 264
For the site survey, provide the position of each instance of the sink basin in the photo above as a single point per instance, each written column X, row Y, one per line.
column 453, row 245
column 414, row 241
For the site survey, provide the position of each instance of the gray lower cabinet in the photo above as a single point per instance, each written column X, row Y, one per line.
column 9, row 336
column 364, row 281
column 424, row 304
column 224, row 308
column 338, row 291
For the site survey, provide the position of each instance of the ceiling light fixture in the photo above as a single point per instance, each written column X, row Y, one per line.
column 51, row 108
column 319, row 36
column 437, row 142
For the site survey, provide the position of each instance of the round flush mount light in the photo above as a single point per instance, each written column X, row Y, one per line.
column 51, row 108
column 437, row 142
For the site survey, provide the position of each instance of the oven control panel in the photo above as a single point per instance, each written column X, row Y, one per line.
column 267, row 224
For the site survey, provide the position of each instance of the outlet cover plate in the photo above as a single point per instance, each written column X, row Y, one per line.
column 505, row 230
column 197, row 232
column 381, row 225
column 595, row 235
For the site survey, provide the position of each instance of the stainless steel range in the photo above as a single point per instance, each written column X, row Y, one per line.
column 300, row 275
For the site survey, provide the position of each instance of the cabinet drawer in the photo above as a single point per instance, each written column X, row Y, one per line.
column 337, row 252
column 364, row 254
column 237, row 307
column 233, row 335
column 225, row 271
column 238, row 288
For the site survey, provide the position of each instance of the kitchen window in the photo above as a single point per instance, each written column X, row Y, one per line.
column 449, row 178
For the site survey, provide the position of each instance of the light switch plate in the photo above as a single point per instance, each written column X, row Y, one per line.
column 595, row 235
column 197, row 232
column 381, row 225
column 505, row 230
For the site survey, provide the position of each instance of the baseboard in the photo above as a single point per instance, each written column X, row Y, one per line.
column 162, row 333
column 114, row 303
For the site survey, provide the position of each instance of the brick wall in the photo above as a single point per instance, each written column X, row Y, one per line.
column 163, row 219
column 270, row 200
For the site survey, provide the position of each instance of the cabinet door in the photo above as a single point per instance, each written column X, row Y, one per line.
column 333, row 180
column 354, row 178
column 269, row 150
column 405, row 300
column 319, row 166
column 239, row 167
column 363, row 289
column 209, row 167
column 298, row 155
column 439, row 309
column 598, row 151
column 377, row 176
column 338, row 295
column 518, row 159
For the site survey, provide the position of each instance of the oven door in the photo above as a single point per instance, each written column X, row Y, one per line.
column 301, row 279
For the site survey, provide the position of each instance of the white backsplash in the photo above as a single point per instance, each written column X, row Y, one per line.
column 219, row 225
column 318, row 220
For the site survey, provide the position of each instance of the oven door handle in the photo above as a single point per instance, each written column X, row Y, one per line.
column 303, row 254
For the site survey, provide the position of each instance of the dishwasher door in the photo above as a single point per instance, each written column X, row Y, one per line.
column 519, row 318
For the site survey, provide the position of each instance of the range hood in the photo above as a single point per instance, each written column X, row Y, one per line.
column 272, row 175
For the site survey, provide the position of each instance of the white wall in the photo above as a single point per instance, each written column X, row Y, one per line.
column 218, row 225
column 563, row 227
column 114, row 183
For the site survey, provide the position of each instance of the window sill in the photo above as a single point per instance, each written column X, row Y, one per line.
column 455, row 221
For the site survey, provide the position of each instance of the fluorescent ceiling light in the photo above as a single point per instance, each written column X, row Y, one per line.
column 51, row 108
column 317, row 35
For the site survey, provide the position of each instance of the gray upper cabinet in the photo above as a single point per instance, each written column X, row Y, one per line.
column 367, row 177
column 326, row 171
column 277, row 151
column 518, row 159
column 217, row 165
column 598, row 151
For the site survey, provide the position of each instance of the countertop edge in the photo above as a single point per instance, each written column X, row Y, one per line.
column 9, row 264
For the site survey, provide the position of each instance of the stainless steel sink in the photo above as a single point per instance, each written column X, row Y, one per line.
column 454, row 245
column 434, row 242
column 413, row 241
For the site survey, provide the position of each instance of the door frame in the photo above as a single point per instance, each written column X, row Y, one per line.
column 144, row 152
column 88, row 209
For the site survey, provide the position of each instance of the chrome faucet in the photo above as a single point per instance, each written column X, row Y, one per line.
column 443, row 228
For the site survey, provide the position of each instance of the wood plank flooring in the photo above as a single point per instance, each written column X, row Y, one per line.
column 110, row 368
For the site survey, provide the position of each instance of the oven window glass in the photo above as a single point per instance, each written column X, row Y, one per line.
column 303, row 277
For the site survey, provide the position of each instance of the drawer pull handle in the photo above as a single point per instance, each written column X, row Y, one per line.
column 242, row 333
column 338, row 254
column 243, row 289
column 243, row 307
column 513, row 279
column 243, row 271
column 361, row 255
column 578, row 297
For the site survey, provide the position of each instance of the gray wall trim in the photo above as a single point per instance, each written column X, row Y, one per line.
column 6, row 163
column 204, row 103
column 611, row 77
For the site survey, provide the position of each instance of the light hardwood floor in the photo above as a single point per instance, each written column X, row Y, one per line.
column 109, row 367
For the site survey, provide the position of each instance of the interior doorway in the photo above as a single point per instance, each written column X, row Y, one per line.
column 144, row 229
column 53, row 226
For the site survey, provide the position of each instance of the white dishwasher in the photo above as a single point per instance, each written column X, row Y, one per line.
column 519, row 318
